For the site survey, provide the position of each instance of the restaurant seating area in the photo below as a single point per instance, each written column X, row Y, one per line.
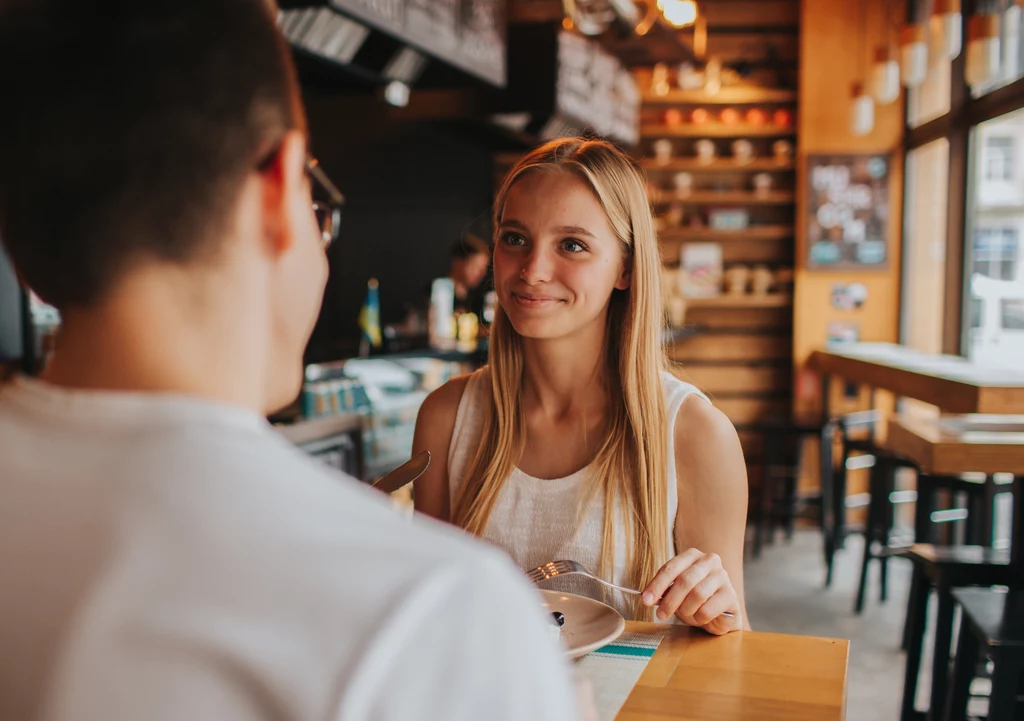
column 837, row 195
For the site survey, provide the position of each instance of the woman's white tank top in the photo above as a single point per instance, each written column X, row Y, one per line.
column 535, row 520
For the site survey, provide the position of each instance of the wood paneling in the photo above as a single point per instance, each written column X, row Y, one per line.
column 759, row 47
column 744, row 411
column 724, row 166
column 778, row 319
column 767, row 14
column 735, row 249
column 731, row 347
column 773, row 379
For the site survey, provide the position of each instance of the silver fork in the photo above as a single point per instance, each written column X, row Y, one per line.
column 551, row 569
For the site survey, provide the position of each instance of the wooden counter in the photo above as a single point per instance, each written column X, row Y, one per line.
column 952, row 383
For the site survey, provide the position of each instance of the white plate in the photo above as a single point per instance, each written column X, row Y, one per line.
column 589, row 624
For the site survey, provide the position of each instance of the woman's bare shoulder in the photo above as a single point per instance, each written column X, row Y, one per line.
column 707, row 449
column 443, row 402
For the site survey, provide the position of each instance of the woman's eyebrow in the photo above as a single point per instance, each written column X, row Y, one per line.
column 574, row 230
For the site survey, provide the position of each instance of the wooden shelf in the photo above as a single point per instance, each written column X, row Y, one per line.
column 715, row 130
column 727, row 198
column 755, row 232
column 721, row 165
column 726, row 96
column 771, row 300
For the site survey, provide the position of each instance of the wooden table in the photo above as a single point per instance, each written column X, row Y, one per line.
column 952, row 383
column 953, row 445
column 744, row 676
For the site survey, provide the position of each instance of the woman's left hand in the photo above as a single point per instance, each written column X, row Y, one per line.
column 696, row 588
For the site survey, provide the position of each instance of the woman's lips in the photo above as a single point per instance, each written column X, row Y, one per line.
column 529, row 300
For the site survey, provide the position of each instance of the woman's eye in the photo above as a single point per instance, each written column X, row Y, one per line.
column 573, row 246
column 513, row 239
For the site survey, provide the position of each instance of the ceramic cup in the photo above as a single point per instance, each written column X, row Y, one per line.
column 736, row 279
column 742, row 151
column 683, row 183
column 662, row 151
column 705, row 151
column 783, row 151
column 760, row 280
column 762, row 184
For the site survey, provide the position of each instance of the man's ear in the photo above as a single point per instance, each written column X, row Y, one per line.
column 286, row 195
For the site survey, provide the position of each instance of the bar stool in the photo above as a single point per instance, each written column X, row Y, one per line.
column 785, row 441
column 834, row 478
column 993, row 625
column 862, row 452
column 993, row 628
column 944, row 569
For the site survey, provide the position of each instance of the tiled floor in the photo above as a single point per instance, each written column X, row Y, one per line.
column 786, row 594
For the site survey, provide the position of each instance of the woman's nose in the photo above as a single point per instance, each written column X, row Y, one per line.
column 536, row 267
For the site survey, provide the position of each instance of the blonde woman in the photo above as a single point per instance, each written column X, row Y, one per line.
column 575, row 442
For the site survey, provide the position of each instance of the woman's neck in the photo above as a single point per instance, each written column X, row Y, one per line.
column 565, row 376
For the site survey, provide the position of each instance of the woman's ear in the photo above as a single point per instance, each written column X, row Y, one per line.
column 625, row 279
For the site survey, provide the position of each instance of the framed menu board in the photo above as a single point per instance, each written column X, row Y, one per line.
column 848, row 211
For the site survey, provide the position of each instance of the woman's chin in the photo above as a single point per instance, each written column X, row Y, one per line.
column 537, row 328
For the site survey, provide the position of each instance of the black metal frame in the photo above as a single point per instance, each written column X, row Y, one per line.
column 957, row 126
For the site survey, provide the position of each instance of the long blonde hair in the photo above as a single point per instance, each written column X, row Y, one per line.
column 630, row 469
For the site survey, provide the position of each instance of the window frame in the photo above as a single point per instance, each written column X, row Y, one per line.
column 958, row 127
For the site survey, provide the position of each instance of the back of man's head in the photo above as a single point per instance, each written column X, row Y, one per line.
column 128, row 129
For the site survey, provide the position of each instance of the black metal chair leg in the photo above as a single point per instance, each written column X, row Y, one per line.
column 1002, row 704
column 869, row 537
column 828, row 520
column 941, row 654
column 917, row 616
column 963, row 673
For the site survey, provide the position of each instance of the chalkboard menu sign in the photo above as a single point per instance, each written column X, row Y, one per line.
column 848, row 211
column 595, row 89
column 469, row 34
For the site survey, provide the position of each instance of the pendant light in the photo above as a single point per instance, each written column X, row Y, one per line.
column 885, row 76
column 679, row 13
column 946, row 30
column 885, row 71
column 913, row 55
column 983, row 51
column 862, row 111
column 862, row 106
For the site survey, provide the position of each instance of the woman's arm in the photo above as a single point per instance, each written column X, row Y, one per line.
column 710, row 522
column 435, row 425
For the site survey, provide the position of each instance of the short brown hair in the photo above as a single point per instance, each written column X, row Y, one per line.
column 128, row 130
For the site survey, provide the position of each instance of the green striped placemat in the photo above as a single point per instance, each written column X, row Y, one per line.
column 613, row 670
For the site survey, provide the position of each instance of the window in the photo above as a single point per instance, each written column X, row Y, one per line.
column 977, row 309
column 993, row 267
column 924, row 246
column 998, row 158
column 1012, row 314
column 931, row 99
column 995, row 253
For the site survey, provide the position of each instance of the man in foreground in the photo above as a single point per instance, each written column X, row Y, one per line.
column 164, row 553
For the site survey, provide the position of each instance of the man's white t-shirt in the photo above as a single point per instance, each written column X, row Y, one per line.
column 166, row 558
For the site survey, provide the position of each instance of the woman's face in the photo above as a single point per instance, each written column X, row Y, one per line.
column 557, row 259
